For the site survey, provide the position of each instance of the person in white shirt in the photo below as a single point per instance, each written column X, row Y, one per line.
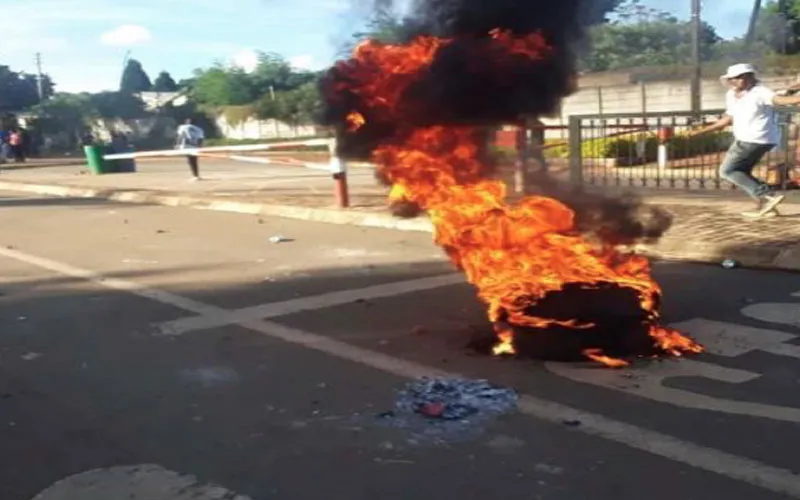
column 750, row 110
column 190, row 136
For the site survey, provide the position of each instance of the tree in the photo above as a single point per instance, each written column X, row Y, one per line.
column 19, row 91
column 134, row 78
column 164, row 83
column 220, row 86
column 300, row 105
column 640, row 36
column 69, row 114
column 110, row 105
column 268, row 108
column 778, row 26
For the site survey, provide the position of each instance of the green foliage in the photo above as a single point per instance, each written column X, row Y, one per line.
column 71, row 113
column 134, row 78
column 19, row 91
column 300, row 105
column 110, row 105
column 219, row 86
column 640, row 36
column 164, row 83
column 236, row 115
column 778, row 26
column 624, row 147
column 274, row 88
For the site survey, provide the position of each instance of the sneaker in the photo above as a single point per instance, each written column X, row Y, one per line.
column 758, row 215
column 770, row 202
column 194, row 179
column 766, row 205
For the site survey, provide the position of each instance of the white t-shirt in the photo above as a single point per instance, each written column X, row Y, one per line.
column 189, row 135
column 754, row 117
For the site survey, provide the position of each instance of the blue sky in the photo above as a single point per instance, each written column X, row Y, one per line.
column 83, row 42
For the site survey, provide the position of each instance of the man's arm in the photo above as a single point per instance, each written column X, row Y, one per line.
column 786, row 100
column 720, row 124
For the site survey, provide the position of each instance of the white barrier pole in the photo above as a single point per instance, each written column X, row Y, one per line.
column 216, row 149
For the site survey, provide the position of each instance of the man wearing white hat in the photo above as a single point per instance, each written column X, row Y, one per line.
column 750, row 110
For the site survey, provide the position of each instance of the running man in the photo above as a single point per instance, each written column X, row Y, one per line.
column 190, row 136
column 750, row 110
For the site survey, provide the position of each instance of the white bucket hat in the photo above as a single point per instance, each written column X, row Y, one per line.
column 737, row 70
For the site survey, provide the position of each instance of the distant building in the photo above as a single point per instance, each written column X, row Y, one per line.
column 156, row 100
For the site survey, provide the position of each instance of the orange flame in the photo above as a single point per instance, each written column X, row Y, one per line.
column 355, row 121
column 505, row 344
column 513, row 254
column 597, row 355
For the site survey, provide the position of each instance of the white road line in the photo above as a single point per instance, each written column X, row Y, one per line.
column 321, row 301
column 783, row 313
column 127, row 286
column 734, row 467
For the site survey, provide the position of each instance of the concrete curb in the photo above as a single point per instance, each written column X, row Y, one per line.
column 328, row 215
column 675, row 249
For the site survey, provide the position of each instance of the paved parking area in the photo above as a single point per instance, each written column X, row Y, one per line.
column 172, row 350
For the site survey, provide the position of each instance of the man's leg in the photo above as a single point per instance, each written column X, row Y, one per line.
column 192, row 159
column 737, row 168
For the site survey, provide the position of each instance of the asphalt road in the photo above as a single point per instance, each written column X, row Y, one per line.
column 165, row 354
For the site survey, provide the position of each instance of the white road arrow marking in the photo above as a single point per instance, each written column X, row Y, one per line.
column 786, row 313
column 724, row 339
column 135, row 482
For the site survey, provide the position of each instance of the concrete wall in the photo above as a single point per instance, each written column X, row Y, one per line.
column 667, row 96
column 263, row 129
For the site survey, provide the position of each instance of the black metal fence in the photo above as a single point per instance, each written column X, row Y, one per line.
column 653, row 151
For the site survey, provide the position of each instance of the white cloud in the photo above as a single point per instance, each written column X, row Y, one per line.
column 246, row 59
column 126, row 36
column 303, row 62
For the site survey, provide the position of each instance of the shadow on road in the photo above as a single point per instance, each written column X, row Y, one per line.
column 50, row 202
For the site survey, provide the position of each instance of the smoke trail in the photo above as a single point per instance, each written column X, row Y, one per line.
column 466, row 83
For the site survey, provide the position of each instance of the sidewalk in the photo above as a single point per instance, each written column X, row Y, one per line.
column 707, row 226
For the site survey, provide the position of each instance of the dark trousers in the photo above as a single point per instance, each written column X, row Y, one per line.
column 19, row 153
column 193, row 164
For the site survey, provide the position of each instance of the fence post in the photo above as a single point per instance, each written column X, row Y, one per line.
column 600, row 100
column 575, row 153
column 339, row 171
column 643, row 89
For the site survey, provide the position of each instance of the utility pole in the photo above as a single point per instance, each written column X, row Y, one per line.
column 697, row 69
column 39, row 77
column 751, row 26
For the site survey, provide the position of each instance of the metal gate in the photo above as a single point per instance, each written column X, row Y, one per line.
column 652, row 151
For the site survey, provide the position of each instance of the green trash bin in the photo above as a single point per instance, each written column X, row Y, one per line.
column 94, row 159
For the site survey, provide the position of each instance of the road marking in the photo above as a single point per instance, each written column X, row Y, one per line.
column 786, row 313
column 135, row 482
column 709, row 459
column 720, row 338
column 725, row 464
column 275, row 309
column 731, row 339
column 161, row 296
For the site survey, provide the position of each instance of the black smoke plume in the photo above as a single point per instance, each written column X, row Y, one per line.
column 466, row 84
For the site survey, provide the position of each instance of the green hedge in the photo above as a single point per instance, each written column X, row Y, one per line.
column 623, row 147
